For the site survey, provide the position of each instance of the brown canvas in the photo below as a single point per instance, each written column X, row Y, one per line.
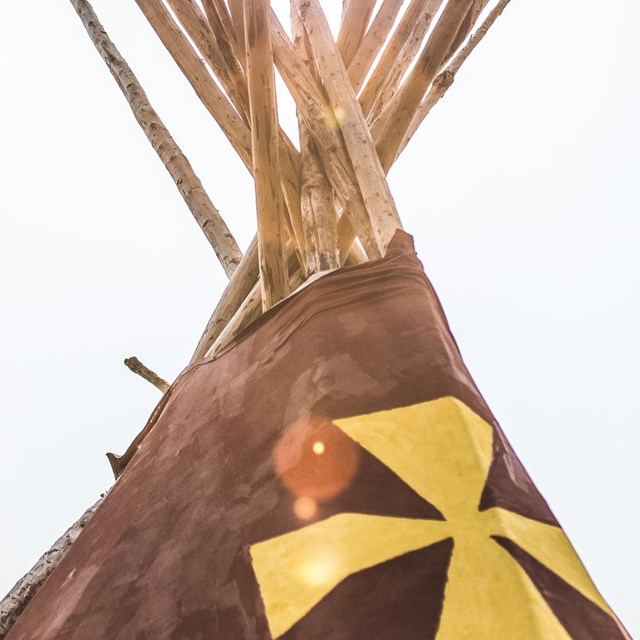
column 332, row 474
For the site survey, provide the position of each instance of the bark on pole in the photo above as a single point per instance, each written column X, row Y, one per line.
column 144, row 372
column 18, row 598
column 176, row 163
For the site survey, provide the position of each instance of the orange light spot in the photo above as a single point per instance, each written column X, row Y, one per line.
column 314, row 459
column 305, row 508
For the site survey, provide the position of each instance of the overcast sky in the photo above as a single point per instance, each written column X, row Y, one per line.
column 521, row 189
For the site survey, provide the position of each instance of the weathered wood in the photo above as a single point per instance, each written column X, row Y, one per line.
column 445, row 79
column 212, row 42
column 236, row 11
column 400, row 51
column 133, row 364
column 218, row 13
column 314, row 108
column 396, row 117
column 237, row 290
column 13, row 604
column 249, row 310
column 318, row 208
column 289, row 157
column 355, row 20
column 219, row 106
column 362, row 152
column 194, row 69
column 176, row 163
column 373, row 42
column 475, row 9
column 266, row 157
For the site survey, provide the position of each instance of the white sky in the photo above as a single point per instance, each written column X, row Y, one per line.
column 521, row 190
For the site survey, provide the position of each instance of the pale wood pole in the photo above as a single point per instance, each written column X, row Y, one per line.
column 216, row 50
column 224, row 112
column 221, row 24
column 176, row 163
column 355, row 19
column 194, row 69
column 372, row 42
column 240, row 286
column 445, row 78
column 396, row 117
column 352, row 124
column 219, row 51
column 318, row 207
column 401, row 49
column 266, row 157
column 315, row 108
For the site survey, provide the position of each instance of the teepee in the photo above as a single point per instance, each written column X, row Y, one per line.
column 325, row 466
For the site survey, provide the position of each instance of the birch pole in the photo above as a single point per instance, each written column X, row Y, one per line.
column 176, row 163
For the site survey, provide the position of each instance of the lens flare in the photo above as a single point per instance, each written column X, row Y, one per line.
column 305, row 508
column 318, row 448
column 315, row 460
column 319, row 571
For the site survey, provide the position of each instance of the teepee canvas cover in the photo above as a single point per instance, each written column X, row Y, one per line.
column 334, row 473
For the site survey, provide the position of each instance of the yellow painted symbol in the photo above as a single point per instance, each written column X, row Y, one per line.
column 443, row 451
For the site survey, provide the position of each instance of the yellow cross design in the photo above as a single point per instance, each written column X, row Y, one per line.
column 443, row 451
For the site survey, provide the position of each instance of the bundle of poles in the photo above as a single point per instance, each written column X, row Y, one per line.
column 359, row 96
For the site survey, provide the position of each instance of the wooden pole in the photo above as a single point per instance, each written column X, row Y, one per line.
column 396, row 117
column 266, row 157
column 194, row 69
column 318, row 207
column 176, row 163
column 238, row 289
column 355, row 20
column 133, row 364
column 13, row 604
column 350, row 119
column 445, row 79
column 218, row 13
column 372, row 42
column 213, row 44
column 314, row 108
column 223, row 111
column 400, row 51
